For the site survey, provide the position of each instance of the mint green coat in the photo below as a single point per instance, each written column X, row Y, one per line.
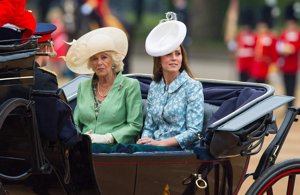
column 120, row 113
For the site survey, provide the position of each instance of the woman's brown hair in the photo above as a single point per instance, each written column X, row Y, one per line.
column 157, row 68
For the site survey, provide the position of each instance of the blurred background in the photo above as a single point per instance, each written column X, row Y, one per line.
column 211, row 25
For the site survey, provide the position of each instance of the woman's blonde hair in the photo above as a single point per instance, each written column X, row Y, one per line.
column 117, row 61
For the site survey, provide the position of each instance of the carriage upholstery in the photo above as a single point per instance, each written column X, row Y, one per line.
column 209, row 111
column 219, row 101
column 209, row 108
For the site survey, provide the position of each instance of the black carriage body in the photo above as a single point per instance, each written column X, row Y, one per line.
column 35, row 152
column 16, row 70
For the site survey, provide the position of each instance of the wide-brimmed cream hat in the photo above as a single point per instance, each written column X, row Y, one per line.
column 93, row 42
column 166, row 36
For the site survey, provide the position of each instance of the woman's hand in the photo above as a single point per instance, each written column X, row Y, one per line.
column 164, row 142
column 149, row 141
column 101, row 138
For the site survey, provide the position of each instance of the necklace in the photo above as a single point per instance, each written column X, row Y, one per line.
column 104, row 94
column 97, row 106
column 97, row 103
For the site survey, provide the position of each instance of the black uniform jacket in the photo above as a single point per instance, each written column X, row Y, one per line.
column 44, row 79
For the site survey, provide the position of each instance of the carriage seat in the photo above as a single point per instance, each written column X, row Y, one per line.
column 209, row 110
column 144, row 108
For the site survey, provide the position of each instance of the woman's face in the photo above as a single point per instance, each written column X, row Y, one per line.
column 101, row 64
column 172, row 61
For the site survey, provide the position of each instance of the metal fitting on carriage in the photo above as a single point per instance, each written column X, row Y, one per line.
column 199, row 181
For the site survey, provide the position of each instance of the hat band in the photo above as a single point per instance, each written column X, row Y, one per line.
column 44, row 38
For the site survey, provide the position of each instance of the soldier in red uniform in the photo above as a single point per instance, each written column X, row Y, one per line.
column 244, row 44
column 265, row 47
column 288, row 47
column 15, row 21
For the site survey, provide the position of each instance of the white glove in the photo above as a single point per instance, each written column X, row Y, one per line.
column 232, row 45
column 107, row 138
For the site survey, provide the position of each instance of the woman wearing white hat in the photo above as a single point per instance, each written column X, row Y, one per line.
column 175, row 100
column 109, row 105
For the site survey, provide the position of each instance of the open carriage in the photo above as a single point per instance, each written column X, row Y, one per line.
column 39, row 145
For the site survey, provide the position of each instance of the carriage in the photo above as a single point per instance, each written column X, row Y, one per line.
column 40, row 147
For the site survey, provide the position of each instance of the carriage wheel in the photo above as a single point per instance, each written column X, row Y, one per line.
column 281, row 178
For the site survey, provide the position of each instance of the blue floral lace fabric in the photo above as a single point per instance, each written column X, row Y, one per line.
column 175, row 110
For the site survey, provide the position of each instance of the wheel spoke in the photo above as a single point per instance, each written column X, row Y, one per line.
column 270, row 191
column 279, row 179
column 291, row 185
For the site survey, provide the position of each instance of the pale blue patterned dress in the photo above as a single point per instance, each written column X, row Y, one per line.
column 175, row 111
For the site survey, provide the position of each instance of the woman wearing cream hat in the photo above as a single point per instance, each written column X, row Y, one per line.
column 175, row 100
column 109, row 107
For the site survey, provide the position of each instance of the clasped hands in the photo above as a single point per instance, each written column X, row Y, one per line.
column 107, row 138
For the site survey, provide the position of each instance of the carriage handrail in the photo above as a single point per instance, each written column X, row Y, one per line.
column 5, row 109
column 9, row 105
column 22, row 176
column 255, row 112
column 23, row 45
column 70, row 89
column 16, row 56
column 269, row 92
column 271, row 153
column 39, row 161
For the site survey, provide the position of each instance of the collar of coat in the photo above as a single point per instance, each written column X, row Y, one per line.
column 118, row 82
column 176, row 84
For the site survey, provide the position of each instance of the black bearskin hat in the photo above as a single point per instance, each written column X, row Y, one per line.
column 247, row 17
column 265, row 16
column 290, row 13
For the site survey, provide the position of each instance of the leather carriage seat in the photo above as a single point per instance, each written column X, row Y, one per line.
column 209, row 110
column 144, row 108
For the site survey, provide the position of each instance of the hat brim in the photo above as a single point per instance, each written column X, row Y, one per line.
column 165, row 38
column 93, row 42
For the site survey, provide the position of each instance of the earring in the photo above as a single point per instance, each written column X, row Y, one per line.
column 113, row 66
